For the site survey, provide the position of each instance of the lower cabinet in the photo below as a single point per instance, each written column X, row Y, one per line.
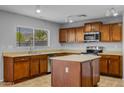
column 43, row 64
column 111, row 65
column 20, row 68
column 34, row 66
column 95, row 71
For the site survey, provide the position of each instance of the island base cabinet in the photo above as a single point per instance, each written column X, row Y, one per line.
column 75, row 74
column 95, row 72
column 86, row 75
column 65, row 74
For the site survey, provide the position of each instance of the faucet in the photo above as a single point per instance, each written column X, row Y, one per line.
column 30, row 47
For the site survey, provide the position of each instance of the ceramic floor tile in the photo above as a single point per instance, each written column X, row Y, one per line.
column 45, row 81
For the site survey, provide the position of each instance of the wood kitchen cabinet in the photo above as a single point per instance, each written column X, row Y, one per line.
column 86, row 75
column 79, row 34
column 71, row 78
column 111, row 32
column 94, row 26
column 111, row 65
column 105, row 33
column 63, row 35
column 75, row 74
column 16, row 68
column 71, row 35
column 114, row 65
column 34, row 66
column 103, row 65
column 116, row 32
column 21, row 68
column 43, row 64
column 95, row 72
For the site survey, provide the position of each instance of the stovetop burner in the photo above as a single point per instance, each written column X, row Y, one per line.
column 93, row 50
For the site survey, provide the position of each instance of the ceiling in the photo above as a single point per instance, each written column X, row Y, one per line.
column 58, row 13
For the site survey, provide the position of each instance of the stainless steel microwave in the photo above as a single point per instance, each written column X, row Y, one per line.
column 92, row 36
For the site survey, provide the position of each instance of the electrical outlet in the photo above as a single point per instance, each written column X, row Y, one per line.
column 66, row 69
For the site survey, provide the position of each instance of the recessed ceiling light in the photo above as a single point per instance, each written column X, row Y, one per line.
column 38, row 10
column 71, row 21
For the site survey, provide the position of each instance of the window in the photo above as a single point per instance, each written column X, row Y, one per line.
column 41, row 37
column 24, row 36
column 34, row 37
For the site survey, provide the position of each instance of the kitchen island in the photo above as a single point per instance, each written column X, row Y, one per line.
column 75, row 71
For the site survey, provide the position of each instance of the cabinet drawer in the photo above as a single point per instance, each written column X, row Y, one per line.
column 43, row 56
column 105, row 56
column 35, row 57
column 114, row 57
column 21, row 59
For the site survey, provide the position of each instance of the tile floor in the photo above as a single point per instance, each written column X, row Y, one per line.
column 45, row 81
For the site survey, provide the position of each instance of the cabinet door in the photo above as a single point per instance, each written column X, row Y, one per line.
column 116, row 32
column 96, row 26
column 43, row 64
column 63, row 35
column 86, row 74
column 88, row 27
column 34, row 66
column 79, row 34
column 65, row 74
column 105, row 33
column 71, row 35
column 114, row 66
column 95, row 71
column 21, row 69
column 103, row 66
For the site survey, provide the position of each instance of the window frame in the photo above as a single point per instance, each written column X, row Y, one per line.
column 33, row 45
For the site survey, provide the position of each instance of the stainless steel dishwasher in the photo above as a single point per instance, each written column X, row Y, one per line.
column 49, row 62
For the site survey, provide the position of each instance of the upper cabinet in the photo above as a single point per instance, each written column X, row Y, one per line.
column 79, row 34
column 71, row 35
column 95, row 26
column 63, row 35
column 105, row 33
column 116, row 32
column 111, row 32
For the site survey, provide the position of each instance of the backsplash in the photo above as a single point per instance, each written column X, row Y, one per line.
column 116, row 46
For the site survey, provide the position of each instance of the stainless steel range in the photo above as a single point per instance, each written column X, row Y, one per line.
column 93, row 50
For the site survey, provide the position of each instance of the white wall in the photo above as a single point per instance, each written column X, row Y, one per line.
column 8, row 23
column 107, row 46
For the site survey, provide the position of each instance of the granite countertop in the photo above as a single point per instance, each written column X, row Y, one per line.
column 119, row 53
column 76, row 58
column 40, row 52
column 53, row 51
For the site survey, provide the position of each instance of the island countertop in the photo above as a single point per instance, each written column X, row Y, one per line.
column 76, row 58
